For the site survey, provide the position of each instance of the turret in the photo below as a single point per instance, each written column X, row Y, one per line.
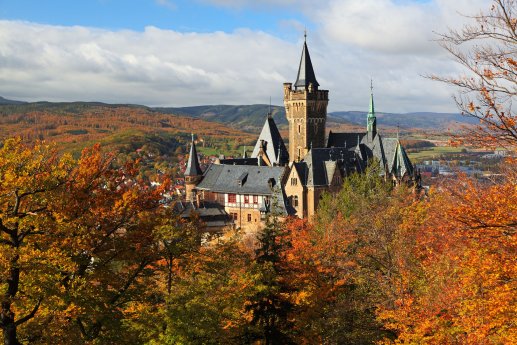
column 193, row 173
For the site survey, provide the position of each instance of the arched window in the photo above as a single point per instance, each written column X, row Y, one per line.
column 295, row 201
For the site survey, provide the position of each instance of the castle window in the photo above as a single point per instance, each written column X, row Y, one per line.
column 295, row 201
column 246, row 199
column 249, row 217
column 299, row 129
column 255, row 199
column 294, row 181
column 234, row 216
column 232, row 198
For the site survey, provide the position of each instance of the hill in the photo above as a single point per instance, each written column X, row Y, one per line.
column 126, row 126
column 251, row 117
column 246, row 117
column 120, row 128
column 418, row 120
column 9, row 101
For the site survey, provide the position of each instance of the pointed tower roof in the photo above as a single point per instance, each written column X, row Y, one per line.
column 371, row 110
column 305, row 70
column 272, row 143
column 193, row 168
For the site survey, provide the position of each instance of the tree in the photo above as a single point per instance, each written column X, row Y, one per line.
column 29, row 265
column 209, row 291
column 460, row 287
column 79, row 245
column 486, row 48
column 269, row 304
column 360, row 244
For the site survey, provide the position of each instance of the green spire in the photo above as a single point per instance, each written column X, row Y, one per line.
column 371, row 120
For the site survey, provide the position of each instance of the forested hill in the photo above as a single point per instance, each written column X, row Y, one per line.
column 9, row 101
column 121, row 128
column 251, row 117
column 422, row 120
column 248, row 118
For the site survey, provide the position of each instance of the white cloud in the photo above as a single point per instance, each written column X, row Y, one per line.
column 353, row 41
column 167, row 4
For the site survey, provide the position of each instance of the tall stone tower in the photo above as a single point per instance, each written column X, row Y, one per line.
column 193, row 173
column 306, row 109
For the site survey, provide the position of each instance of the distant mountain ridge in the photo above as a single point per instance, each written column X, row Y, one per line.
column 423, row 120
column 246, row 117
column 251, row 117
column 9, row 101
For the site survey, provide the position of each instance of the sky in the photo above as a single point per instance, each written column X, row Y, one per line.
column 197, row 52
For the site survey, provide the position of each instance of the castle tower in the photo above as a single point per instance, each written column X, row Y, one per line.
column 371, row 120
column 306, row 109
column 193, row 173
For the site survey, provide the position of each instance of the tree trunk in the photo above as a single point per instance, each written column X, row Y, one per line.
column 8, row 325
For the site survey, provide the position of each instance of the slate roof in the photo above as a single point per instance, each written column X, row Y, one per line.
column 348, row 140
column 193, row 168
column 388, row 151
column 239, row 161
column 211, row 214
column 247, row 179
column 305, row 70
column 223, row 178
column 274, row 146
column 319, row 165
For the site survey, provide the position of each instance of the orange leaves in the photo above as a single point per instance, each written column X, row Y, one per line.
column 488, row 73
column 80, row 234
column 461, row 289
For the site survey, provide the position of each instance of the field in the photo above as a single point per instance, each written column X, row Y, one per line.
column 433, row 153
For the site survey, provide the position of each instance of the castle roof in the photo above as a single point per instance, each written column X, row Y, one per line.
column 305, row 70
column 247, row 179
column 319, row 165
column 239, row 161
column 272, row 143
column 193, row 168
column 388, row 151
column 241, row 179
column 211, row 214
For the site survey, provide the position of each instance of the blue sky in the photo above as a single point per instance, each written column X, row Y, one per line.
column 178, row 15
column 193, row 52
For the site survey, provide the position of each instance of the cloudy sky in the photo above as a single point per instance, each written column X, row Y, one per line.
column 194, row 52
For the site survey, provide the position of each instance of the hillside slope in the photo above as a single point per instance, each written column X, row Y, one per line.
column 246, row 117
column 251, row 117
column 121, row 128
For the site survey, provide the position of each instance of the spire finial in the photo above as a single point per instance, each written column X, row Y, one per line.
column 398, row 130
column 270, row 113
column 305, row 35
column 371, row 86
column 192, row 134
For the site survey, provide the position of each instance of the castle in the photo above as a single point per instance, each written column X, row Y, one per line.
column 242, row 191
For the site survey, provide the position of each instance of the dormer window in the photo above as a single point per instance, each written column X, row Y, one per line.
column 271, row 183
column 242, row 179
